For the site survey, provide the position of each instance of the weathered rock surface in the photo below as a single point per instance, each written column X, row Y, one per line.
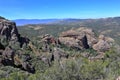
column 10, row 58
column 84, row 38
column 49, row 39
column 12, row 39
column 46, row 41
column 9, row 32
column 8, row 53
column 74, row 39
column 102, row 45
column 90, row 34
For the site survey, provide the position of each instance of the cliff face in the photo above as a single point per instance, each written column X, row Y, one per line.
column 9, row 32
column 10, row 40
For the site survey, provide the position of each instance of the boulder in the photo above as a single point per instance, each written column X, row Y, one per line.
column 74, row 39
column 102, row 45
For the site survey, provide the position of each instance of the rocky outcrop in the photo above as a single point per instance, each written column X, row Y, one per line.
column 9, row 40
column 84, row 38
column 74, row 39
column 49, row 39
column 102, row 45
column 10, row 58
column 9, row 32
column 90, row 34
column 46, row 41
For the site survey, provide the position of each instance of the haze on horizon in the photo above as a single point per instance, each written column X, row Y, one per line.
column 59, row 9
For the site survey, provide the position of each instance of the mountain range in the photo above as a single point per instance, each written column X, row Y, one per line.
column 20, row 22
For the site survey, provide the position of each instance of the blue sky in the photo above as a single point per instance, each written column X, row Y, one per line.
column 46, row 9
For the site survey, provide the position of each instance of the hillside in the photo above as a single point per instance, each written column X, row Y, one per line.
column 57, row 51
column 106, row 26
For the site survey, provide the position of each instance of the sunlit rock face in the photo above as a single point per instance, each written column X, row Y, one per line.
column 84, row 38
column 9, row 32
column 8, row 29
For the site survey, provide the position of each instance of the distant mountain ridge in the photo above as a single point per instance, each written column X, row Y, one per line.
column 20, row 22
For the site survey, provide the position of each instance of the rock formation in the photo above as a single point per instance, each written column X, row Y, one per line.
column 102, row 45
column 10, row 39
column 90, row 34
column 48, row 39
column 9, row 30
column 74, row 39
column 9, row 34
column 84, row 38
